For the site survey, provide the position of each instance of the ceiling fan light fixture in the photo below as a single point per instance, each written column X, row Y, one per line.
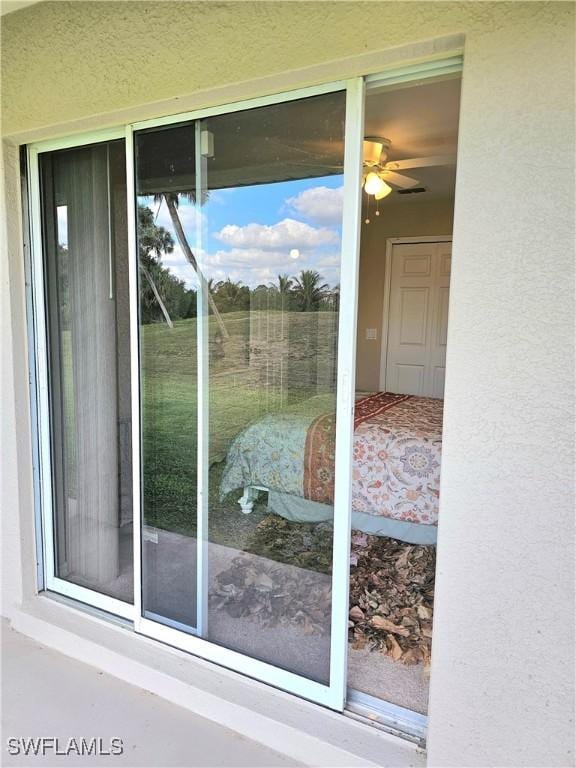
column 384, row 192
column 372, row 151
column 374, row 185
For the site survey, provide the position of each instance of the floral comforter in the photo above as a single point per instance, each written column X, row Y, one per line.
column 397, row 452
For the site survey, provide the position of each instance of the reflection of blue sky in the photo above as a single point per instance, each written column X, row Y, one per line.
column 253, row 234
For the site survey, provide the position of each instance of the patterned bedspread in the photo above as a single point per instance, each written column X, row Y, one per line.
column 397, row 451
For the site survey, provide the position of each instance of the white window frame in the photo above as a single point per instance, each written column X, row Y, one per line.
column 333, row 695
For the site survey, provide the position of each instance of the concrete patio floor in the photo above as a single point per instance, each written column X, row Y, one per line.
column 47, row 694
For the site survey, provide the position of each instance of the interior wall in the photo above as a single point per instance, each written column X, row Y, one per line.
column 503, row 648
column 408, row 218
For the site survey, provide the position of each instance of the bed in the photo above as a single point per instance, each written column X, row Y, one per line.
column 396, row 470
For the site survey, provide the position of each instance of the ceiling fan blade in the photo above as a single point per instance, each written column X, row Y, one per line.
column 420, row 162
column 398, row 179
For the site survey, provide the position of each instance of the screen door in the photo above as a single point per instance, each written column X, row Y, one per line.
column 247, row 224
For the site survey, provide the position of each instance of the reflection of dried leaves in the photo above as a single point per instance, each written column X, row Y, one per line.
column 391, row 598
column 273, row 595
column 307, row 545
column 391, row 587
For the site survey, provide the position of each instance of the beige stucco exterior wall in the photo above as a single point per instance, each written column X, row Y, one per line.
column 411, row 218
column 502, row 676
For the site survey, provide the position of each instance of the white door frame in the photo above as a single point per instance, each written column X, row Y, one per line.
column 390, row 243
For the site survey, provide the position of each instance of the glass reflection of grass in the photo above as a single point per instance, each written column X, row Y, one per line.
column 237, row 398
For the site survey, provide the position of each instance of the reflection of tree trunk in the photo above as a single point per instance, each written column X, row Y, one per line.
column 173, row 211
column 156, row 293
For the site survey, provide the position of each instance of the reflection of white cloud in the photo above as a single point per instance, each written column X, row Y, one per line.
column 329, row 260
column 250, row 276
column 219, row 196
column 285, row 234
column 188, row 214
column 251, row 266
column 180, row 267
column 319, row 204
column 185, row 273
column 252, row 256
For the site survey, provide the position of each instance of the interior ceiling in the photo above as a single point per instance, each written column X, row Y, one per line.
column 420, row 121
column 304, row 139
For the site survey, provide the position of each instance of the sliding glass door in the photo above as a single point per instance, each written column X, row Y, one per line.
column 194, row 309
column 88, row 538
column 247, row 260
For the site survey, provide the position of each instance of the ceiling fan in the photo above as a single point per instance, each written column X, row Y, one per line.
column 379, row 173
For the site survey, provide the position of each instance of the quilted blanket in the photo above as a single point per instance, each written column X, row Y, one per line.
column 396, row 465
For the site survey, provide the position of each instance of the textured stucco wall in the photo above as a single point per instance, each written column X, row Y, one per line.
column 97, row 57
column 411, row 218
column 502, row 677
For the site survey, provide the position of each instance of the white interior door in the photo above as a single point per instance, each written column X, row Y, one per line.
column 418, row 318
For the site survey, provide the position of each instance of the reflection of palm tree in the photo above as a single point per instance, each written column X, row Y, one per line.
column 172, row 200
column 229, row 291
column 284, row 284
column 153, row 241
column 308, row 290
column 285, row 288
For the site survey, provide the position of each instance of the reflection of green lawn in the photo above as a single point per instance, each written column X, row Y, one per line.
column 236, row 399
column 170, row 446
column 169, row 425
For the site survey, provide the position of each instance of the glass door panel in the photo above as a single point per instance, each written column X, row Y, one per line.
column 240, row 239
column 85, row 266
column 272, row 222
column 165, row 214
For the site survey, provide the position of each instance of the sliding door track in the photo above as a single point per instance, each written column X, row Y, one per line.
column 391, row 718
